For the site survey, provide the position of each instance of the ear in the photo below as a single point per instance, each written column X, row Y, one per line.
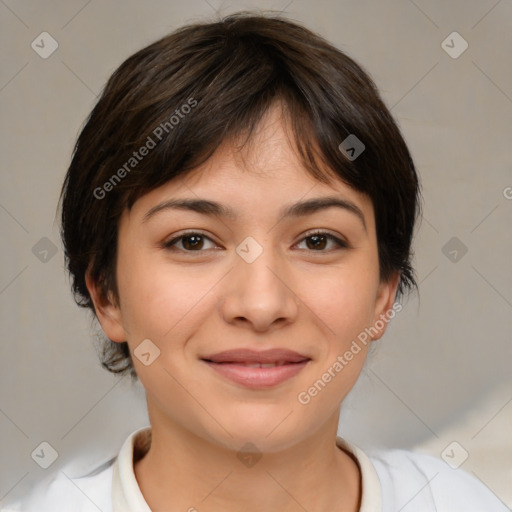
column 107, row 312
column 384, row 305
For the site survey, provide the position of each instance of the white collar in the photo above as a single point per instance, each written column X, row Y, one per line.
column 127, row 496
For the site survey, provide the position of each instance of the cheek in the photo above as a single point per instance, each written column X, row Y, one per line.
column 343, row 307
column 343, row 300
column 158, row 297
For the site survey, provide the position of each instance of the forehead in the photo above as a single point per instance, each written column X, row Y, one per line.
column 258, row 175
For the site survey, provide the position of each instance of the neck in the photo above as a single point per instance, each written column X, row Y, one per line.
column 184, row 472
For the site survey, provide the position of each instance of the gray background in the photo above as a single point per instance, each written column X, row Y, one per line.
column 442, row 371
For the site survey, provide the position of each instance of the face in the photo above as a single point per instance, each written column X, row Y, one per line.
column 243, row 311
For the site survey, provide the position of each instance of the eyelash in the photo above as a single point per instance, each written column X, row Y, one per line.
column 169, row 244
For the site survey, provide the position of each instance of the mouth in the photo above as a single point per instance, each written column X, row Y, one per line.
column 254, row 365
column 257, row 369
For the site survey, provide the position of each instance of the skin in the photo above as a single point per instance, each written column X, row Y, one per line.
column 294, row 295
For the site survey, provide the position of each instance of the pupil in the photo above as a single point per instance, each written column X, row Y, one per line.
column 195, row 244
column 317, row 243
column 194, row 241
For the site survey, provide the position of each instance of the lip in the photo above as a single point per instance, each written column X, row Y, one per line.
column 244, row 366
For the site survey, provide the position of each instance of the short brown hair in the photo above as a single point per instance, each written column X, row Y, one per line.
column 206, row 83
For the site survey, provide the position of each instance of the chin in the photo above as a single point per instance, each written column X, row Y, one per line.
column 268, row 434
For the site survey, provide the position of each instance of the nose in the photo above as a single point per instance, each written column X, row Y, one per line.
column 259, row 295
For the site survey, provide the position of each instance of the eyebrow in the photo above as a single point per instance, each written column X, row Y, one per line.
column 299, row 209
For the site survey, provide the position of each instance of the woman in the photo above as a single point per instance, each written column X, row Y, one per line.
column 238, row 215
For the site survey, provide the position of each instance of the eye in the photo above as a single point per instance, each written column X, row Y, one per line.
column 191, row 241
column 319, row 240
column 194, row 241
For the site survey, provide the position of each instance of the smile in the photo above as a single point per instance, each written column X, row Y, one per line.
column 257, row 369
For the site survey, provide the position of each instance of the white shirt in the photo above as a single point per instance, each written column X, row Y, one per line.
column 392, row 481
